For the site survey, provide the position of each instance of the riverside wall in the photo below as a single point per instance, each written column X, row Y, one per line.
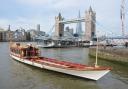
column 119, row 55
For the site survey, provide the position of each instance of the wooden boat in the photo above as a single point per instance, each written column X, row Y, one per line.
column 30, row 55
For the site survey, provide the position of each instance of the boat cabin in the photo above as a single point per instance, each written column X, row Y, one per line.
column 24, row 51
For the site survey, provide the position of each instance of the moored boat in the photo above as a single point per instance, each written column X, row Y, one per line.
column 31, row 55
column 52, row 45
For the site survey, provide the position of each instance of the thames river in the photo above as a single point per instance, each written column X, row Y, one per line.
column 16, row 75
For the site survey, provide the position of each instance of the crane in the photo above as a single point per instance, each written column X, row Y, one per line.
column 122, row 15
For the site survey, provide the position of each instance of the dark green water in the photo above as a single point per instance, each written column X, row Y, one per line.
column 15, row 75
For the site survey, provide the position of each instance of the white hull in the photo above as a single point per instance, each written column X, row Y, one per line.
column 54, row 46
column 89, row 74
column 45, row 46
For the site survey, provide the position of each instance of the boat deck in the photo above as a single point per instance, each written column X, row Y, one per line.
column 64, row 64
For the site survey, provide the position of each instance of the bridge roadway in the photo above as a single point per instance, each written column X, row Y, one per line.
column 76, row 20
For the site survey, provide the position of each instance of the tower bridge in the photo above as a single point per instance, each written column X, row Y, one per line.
column 89, row 19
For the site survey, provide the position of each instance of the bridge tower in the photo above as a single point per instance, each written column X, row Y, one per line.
column 59, row 27
column 90, row 27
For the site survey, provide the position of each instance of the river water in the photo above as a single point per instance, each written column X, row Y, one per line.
column 15, row 75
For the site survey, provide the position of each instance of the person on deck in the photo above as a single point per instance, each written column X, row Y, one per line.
column 29, row 50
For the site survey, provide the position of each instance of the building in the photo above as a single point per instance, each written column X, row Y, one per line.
column 9, row 34
column 38, row 27
column 9, row 28
column 34, row 34
column 19, row 35
column 90, row 27
column 79, row 26
column 3, row 34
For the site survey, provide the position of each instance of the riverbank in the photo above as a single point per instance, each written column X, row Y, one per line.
column 118, row 55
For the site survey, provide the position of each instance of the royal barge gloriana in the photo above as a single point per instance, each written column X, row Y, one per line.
column 30, row 55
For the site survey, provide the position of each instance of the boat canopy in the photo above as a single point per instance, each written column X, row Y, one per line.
column 25, row 51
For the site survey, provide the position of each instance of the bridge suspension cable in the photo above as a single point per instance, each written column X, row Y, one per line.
column 51, row 30
column 104, row 27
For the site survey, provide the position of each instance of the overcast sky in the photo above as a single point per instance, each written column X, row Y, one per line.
column 28, row 13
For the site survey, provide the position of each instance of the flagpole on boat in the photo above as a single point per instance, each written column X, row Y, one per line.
column 96, row 61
